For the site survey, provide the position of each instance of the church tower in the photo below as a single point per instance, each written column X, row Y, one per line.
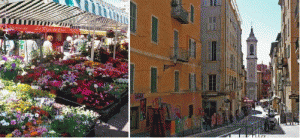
column 251, row 66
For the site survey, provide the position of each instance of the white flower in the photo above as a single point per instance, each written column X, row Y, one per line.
column 32, row 67
column 52, row 132
column 36, row 115
column 75, row 83
column 69, row 72
column 22, row 66
column 96, row 86
column 5, row 124
column 3, row 114
column 3, row 121
column 23, row 117
column 2, row 62
column 24, row 73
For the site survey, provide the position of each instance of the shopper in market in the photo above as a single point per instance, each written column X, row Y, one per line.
column 30, row 47
column 10, row 45
column 80, row 43
column 47, row 46
column 67, row 44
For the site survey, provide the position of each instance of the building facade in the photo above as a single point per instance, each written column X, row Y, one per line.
column 251, row 66
column 264, row 82
column 221, row 57
column 288, row 52
column 165, row 69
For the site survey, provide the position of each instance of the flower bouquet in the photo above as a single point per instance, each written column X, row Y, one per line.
column 110, row 34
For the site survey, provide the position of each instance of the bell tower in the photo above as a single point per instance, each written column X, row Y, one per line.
column 252, row 66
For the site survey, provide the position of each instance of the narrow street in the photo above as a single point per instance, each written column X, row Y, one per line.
column 256, row 115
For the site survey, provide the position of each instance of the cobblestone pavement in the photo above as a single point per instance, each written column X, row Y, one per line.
column 117, row 126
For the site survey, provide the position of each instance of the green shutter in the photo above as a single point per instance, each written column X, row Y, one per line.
column 190, row 82
column 131, row 77
column 195, row 85
column 176, row 81
column 132, row 17
column 190, row 47
column 192, row 13
column 153, row 80
column 154, row 29
column 194, row 49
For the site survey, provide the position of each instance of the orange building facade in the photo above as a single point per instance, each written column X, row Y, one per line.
column 165, row 72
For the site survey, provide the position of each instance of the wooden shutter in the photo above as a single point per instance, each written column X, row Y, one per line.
column 131, row 77
column 153, row 80
column 195, row 49
column 190, row 47
column 190, row 82
column 176, row 45
column 154, row 29
column 132, row 17
column 176, row 81
column 210, row 51
column 192, row 13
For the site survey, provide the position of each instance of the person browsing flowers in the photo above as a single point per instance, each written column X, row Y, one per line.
column 47, row 46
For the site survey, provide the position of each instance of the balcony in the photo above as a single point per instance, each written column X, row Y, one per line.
column 179, row 54
column 180, row 14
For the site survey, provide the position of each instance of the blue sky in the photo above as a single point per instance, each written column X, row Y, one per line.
column 266, row 19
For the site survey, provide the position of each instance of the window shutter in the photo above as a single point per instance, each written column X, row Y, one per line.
column 132, row 17
column 190, row 47
column 195, row 86
column 218, row 83
column 154, row 29
column 218, row 56
column 192, row 13
column 153, row 79
column 195, row 49
column 214, row 23
column 176, row 81
column 131, row 77
column 210, row 51
column 190, row 82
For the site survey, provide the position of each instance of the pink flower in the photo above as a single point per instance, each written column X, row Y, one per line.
column 86, row 92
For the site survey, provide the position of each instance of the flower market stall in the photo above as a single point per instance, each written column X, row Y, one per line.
column 37, row 97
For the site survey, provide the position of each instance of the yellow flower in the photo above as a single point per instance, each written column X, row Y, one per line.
column 9, row 135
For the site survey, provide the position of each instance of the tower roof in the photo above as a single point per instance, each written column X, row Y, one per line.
column 251, row 36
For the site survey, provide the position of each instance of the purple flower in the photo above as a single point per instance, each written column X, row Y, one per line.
column 13, row 122
column 23, row 127
column 18, row 116
column 27, row 135
column 4, row 58
column 13, row 65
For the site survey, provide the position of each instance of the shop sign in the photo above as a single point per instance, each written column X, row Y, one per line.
column 139, row 96
column 294, row 96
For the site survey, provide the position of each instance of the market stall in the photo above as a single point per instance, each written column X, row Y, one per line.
column 97, row 87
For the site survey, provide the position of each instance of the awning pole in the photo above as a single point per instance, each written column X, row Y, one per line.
column 92, row 50
column 116, row 37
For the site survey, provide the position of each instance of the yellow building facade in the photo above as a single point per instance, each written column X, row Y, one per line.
column 165, row 51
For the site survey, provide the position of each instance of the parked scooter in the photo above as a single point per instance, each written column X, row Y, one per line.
column 270, row 121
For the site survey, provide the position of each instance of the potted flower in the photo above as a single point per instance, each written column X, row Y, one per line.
column 110, row 34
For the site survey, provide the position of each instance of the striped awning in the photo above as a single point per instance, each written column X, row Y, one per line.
column 79, row 14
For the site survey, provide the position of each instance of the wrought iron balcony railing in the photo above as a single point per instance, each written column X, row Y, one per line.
column 180, row 14
column 179, row 54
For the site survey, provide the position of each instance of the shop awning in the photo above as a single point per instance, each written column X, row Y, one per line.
column 92, row 32
column 41, row 29
column 69, row 13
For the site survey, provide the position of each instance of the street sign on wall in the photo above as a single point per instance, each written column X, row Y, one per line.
column 294, row 96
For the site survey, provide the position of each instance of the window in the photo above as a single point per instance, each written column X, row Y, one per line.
column 176, row 81
column 154, row 29
column 132, row 17
column 131, row 77
column 213, row 50
column 288, row 51
column 251, row 49
column 153, row 80
column 192, row 48
column 212, row 82
column 191, row 110
column 192, row 13
column 288, row 28
column 192, row 82
column 231, row 62
column 212, row 23
column 176, row 44
column 213, row 2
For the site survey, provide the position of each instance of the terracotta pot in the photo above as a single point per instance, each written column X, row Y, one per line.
column 52, row 91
